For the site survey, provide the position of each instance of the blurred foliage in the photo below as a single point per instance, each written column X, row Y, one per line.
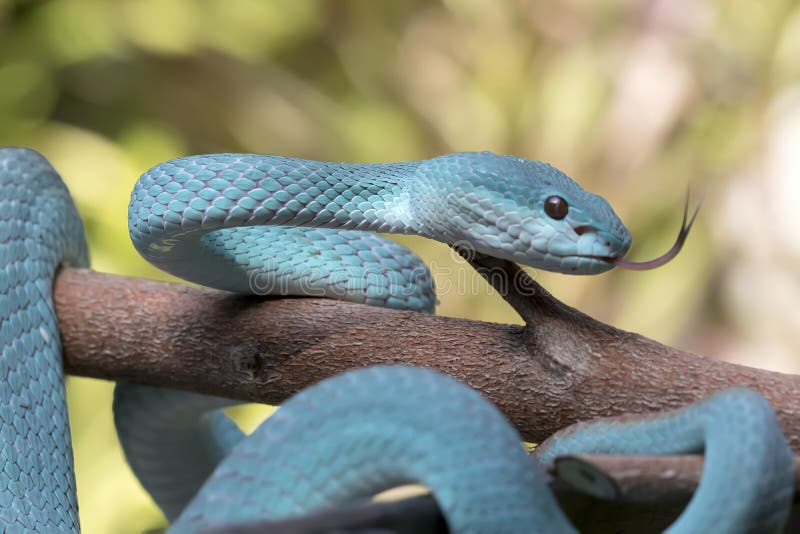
column 633, row 98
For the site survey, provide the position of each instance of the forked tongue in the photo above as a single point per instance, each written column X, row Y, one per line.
column 671, row 253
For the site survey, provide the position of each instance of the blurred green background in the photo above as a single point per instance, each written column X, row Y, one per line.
column 634, row 99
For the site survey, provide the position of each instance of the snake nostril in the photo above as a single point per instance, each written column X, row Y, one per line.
column 584, row 229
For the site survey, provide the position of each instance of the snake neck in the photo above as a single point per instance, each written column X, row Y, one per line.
column 207, row 193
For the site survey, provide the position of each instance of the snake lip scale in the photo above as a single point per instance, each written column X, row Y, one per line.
column 298, row 226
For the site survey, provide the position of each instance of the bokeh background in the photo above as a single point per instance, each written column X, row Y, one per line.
column 634, row 99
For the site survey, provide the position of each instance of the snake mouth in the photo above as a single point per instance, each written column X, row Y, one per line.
column 620, row 261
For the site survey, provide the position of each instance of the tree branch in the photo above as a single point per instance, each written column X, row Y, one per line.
column 414, row 515
column 561, row 368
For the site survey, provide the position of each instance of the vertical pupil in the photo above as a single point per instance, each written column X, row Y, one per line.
column 556, row 207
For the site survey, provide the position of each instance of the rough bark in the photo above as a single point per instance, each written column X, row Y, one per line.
column 560, row 368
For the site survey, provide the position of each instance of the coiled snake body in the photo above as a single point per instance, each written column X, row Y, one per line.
column 350, row 436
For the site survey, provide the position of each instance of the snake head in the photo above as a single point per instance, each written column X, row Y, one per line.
column 517, row 209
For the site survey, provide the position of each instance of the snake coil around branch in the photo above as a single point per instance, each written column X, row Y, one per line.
column 200, row 218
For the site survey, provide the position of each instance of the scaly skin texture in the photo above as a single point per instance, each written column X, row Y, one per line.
column 363, row 431
column 747, row 482
column 39, row 230
column 277, row 225
column 367, row 430
column 186, row 216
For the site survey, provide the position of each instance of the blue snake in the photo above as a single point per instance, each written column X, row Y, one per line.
column 276, row 225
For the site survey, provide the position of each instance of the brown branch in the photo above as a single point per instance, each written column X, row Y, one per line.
column 636, row 479
column 414, row 515
column 563, row 367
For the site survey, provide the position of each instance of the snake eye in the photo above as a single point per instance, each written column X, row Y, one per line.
column 556, row 207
